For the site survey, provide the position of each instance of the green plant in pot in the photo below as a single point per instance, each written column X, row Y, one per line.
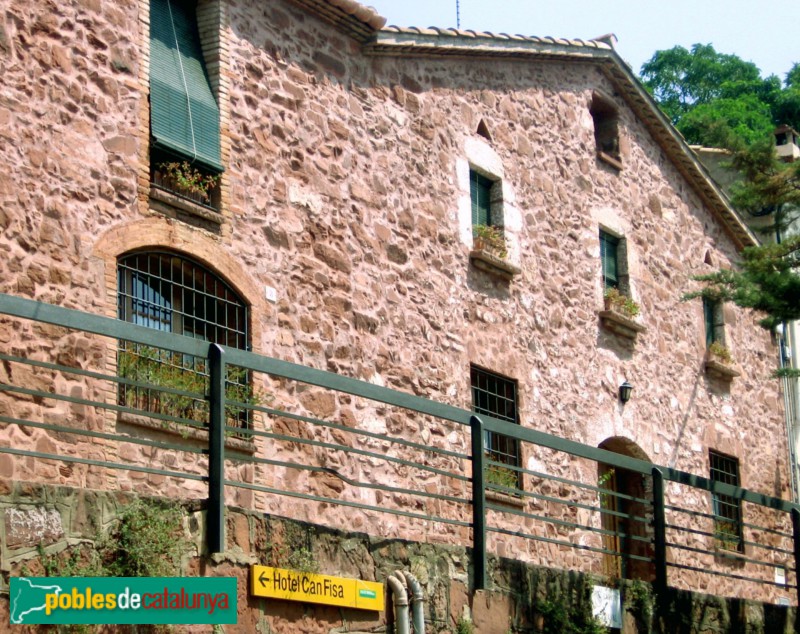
column 185, row 179
column 502, row 476
column 719, row 351
column 156, row 369
column 616, row 301
column 490, row 238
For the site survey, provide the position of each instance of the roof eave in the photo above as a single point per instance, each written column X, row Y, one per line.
column 350, row 17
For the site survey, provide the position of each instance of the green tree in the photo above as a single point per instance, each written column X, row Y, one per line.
column 722, row 101
column 680, row 79
column 714, row 124
column 713, row 97
column 768, row 277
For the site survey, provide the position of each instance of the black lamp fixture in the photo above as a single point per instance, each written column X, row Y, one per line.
column 625, row 392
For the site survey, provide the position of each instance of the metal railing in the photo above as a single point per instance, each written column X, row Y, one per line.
column 337, row 451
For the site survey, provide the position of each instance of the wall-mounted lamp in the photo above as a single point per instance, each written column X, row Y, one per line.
column 625, row 392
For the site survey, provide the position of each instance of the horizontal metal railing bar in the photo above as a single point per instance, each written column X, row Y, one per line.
column 100, row 325
column 104, row 463
column 551, row 540
column 531, row 494
column 353, row 430
column 57, row 367
column 360, row 452
column 694, row 531
column 113, row 378
column 106, row 326
column 713, row 486
column 730, row 575
column 106, row 436
column 551, row 520
column 5, row 387
column 727, row 554
column 358, row 505
column 711, row 516
column 702, row 533
column 578, row 505
column 356, row 483
column 582, row 485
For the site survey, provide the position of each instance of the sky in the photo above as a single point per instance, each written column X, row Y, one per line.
column 765, row 33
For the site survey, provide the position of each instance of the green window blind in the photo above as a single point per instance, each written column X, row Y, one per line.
column 709, row 309
column 608, row 256
column 184, row 116
column 480, row 189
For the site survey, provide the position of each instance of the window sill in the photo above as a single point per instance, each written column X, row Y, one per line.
column 620, row 324
column 730, row 557
column 490, row 263
column 717, row 369
column 506, row 499
column 611, row 160
column 163, row 197
column 171, row 430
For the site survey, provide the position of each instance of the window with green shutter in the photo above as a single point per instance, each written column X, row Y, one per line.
column 480, row 190
column 609, row 256
column 184, row 115
column 714, row 324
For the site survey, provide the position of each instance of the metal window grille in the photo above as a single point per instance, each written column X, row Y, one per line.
column 168, row 292
column 609, row 247
column 496, row 396
column 480, row 190
column 728, row 530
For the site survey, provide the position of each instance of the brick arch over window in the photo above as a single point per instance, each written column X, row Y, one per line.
column 160, row 234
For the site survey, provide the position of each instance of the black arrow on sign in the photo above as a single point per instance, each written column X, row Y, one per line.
column 262, row 580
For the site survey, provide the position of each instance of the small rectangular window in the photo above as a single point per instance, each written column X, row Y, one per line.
column 728, row 530
column 496, row 396
column 609, row 256
column 480, row 191
column 714, row 323
column 606, row 129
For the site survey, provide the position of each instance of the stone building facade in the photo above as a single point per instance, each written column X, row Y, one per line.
column 344, row 221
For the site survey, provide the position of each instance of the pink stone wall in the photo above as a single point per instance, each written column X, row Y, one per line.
column 345, row 192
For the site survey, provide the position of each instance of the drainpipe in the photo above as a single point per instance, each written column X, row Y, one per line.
column 417, row 603
column 400, row 599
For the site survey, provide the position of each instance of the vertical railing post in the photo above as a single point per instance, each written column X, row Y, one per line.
column 215, row 515
column 478, row 504
column 796, row 535
column 659, row 532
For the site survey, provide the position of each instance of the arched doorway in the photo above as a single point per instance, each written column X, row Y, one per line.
column 626, row 515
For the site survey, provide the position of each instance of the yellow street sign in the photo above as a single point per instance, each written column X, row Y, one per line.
column 291, row 585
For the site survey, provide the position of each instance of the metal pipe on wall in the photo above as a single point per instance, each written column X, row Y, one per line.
column 396, row 583
column 417, row 603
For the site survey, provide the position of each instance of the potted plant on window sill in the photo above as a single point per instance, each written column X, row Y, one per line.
column 504, row 478
column 619, row 314
column 719, row 363
column 165, row 385
column 727, row 535
column 490, row 251
column 186, row 181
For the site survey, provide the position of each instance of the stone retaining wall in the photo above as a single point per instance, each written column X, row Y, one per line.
column 59, row 521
